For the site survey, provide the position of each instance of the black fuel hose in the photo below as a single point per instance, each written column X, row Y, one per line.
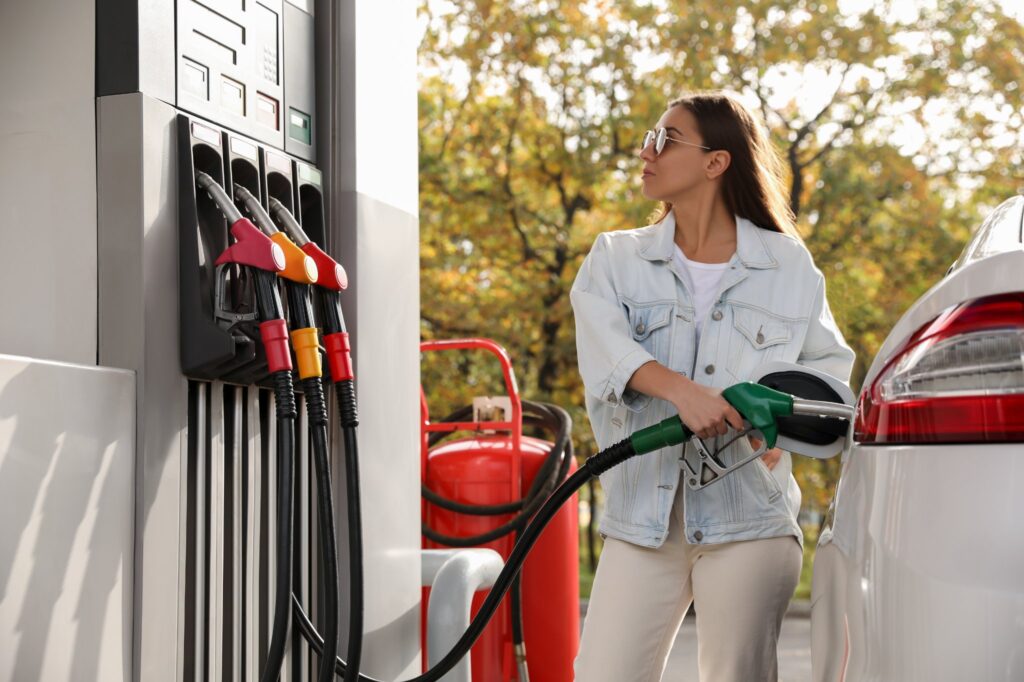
column 345, row 393
column 317, row 412
column 593, row 466
column 286, row 414
column 333, row 322
column 300, row 314
column 268, row 302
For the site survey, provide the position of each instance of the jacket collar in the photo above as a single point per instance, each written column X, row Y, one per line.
column 751, row 249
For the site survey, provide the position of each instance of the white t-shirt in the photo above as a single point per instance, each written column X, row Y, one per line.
column 702, row 279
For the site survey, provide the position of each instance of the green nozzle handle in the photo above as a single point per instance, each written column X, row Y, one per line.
column 667, row 432
column 757, row 404
column 760, row 406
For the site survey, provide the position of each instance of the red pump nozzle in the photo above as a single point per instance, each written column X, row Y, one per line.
column 251, row 246
column 332, row 275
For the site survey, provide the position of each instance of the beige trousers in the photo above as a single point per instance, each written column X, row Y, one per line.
column 640, row 596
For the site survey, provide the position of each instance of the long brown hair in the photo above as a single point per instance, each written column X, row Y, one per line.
column 753, row 185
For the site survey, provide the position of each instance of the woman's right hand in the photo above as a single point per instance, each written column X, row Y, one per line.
column 704, row 411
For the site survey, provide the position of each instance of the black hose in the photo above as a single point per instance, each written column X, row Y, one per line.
column 557, row 420
column 345, row 391
column 541, row 415
column 595, row 465
column 300, row 309
column 317, row 411
column 332, row 320
column 591, row 521
column 285, row 399
column 268, row 298
column 300, row 313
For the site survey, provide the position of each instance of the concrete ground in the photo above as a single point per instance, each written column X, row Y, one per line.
column 794, row 648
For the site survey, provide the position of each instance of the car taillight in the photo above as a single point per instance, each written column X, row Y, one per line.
column 958, row 379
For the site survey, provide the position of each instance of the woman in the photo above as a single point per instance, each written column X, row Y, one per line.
column 667, row 316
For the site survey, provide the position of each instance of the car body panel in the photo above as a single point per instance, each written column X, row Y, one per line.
column 908, row 572
column 919, row 572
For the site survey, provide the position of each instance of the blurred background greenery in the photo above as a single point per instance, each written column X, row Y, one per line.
column 900, row 124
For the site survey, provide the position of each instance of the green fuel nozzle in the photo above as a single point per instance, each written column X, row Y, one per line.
column 757, row 404
column 761, row 406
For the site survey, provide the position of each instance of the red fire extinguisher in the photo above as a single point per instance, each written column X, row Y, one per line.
column 484, row 487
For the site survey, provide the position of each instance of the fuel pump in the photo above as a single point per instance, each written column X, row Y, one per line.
column 297, row 266
column 241, row 92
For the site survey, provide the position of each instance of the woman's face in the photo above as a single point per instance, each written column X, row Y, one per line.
column 680, row 167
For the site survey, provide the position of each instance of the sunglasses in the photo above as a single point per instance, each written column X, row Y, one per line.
column 659, row 136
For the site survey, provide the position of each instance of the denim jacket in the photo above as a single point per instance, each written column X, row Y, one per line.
column 632, row 306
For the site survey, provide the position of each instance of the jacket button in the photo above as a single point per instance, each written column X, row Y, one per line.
column 760, row 337
column 640, row 328
column 698, row 536
column 717, row 315
column 710, row 369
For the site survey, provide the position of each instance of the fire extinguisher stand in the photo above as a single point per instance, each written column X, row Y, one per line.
column 491, row 468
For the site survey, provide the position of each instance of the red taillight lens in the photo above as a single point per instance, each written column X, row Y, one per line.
column 958, row 379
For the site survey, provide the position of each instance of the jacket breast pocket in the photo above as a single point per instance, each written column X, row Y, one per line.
column 757, row 337
column 650, row 324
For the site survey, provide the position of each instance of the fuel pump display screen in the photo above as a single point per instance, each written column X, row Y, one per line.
column 299, row 127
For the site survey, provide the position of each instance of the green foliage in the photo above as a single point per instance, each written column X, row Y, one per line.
column 530, row 113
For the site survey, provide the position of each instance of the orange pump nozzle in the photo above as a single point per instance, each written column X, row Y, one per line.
column 299, row 267
column 332, row 275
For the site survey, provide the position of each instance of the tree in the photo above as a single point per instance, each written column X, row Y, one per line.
column 900, row 127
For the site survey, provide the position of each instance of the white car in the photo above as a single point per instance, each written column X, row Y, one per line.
column 919, row 573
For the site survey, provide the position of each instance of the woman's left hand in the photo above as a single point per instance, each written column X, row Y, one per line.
column 771, row 457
